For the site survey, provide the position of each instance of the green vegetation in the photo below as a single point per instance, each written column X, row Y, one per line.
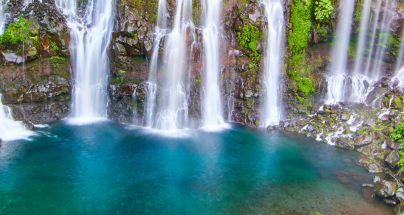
column 249, row 39
column 17, row 31
column 301, row 18
column 398, row 135
column 54, row 46
column 142, row 7
column 323, row 9
column 198, row 80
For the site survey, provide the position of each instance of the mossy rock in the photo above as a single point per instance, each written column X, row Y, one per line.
column 396, row 104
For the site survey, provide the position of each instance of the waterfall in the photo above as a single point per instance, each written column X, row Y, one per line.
column 339, row 53
column 3, row 4
column 384, row 28
column 91, row 31
column 362, row 37
column 272, row 69
column 160, row 33
column 10, row 129
column 174, row 111
column 211, row 106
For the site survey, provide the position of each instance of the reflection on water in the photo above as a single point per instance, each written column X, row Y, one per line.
column 109, row 168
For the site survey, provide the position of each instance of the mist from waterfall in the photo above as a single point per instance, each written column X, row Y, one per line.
column 173, row 114
column 91, row 31
column 273, row 59
column 211, row 106
column 10, row 129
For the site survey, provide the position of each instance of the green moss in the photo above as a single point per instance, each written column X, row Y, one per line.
column 198, row 80
column 301, row 99
column 300, row 17
column 58, row 58
column 146, row 9
column 54, row 46
column 249, row 38
column 305, row 85
column 17, row 31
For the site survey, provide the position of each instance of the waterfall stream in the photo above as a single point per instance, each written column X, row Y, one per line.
column 211, row 106
column 173, row 113
column 272, row 69
column 91, row 32
column 10, row 129
column 3, row 4
column 160, row 33
column 339, row 53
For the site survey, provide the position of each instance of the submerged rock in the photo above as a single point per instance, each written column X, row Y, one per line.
column 385, row 188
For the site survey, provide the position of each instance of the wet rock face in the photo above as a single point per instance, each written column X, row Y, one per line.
column 127, row 103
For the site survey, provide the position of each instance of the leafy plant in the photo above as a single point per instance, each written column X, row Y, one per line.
column 54, row 46
column 323, row 9
column 398, row 135
column 17, row 31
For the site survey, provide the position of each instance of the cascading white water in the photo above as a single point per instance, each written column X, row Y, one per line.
column 211, row 106
column 160, row 32
column 174, row 111
column 362, row 37
column 384, row 28
column 272, row 69
column 90, row 35
column 339, row 53
column 3, row 4
column 10, row 129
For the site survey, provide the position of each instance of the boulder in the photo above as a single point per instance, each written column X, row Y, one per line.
column 384, row 117
column 400, row 194
column 310, row 128
column 363, row 140
column 369, row 122
column 375, row 168
column 344, row 143
column 392, row 159
column 385, row 188
column 392, row 144
column 344, row 117
column 399, row 209
column 371, row 149
column 396, row 103
column 393, row 114
column 377, row 134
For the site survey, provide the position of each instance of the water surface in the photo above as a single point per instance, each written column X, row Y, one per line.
column 108, row 168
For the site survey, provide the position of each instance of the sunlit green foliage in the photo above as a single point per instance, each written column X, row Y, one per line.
column 249, row 39
column 323, row 9
column 17, row 31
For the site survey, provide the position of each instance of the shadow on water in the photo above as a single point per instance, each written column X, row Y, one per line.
column 107, row 168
